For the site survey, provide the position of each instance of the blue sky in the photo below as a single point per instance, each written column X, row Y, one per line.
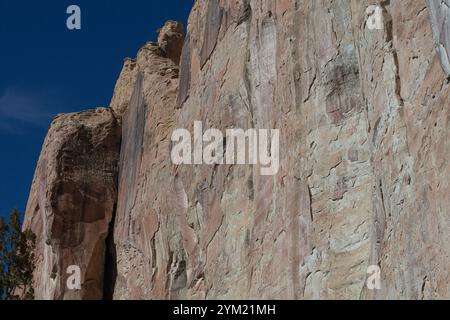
column 47, row 69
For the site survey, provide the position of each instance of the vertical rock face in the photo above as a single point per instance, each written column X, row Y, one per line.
column 72, row 201
column 281, row 65
column 440, row 21
column 362, row 117
column 407, row 100
column 124, row 87
column 145, row 203
column 364, row 175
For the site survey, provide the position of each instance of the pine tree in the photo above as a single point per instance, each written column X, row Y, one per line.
column 16, row 259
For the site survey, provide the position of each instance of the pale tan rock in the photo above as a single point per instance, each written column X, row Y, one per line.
column 359, row 148
column 146, row 201
column 124, row 87
column 440, row 22
column 364, row 174
column 72, row 201
column 407, row 109
column 170, row 40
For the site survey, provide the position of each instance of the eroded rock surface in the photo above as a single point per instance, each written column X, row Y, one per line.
column 124, row 87
column 363, row 173
column 364, row 176
column 145, row 202
column 170, row 40
column 72, row 202
column 440, row 21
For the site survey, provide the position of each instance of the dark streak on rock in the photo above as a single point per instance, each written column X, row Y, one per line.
column 212, row 28
column 185, row 73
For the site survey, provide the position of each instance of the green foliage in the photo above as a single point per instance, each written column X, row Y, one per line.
column 16, row 260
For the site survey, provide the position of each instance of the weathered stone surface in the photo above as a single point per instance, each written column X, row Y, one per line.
column 185, row 78
column 124, row 87
column 407, row 105
column 440, row 21
column 170, row 40
column 145, row 202
column 72, row 201
column 213, row 21
column 362, row 117
column 364, row 175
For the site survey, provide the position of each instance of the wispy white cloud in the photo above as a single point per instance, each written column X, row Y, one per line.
column 20, row 109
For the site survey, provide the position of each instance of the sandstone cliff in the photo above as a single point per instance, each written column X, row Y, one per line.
column 363, row 180
column 72, row 202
